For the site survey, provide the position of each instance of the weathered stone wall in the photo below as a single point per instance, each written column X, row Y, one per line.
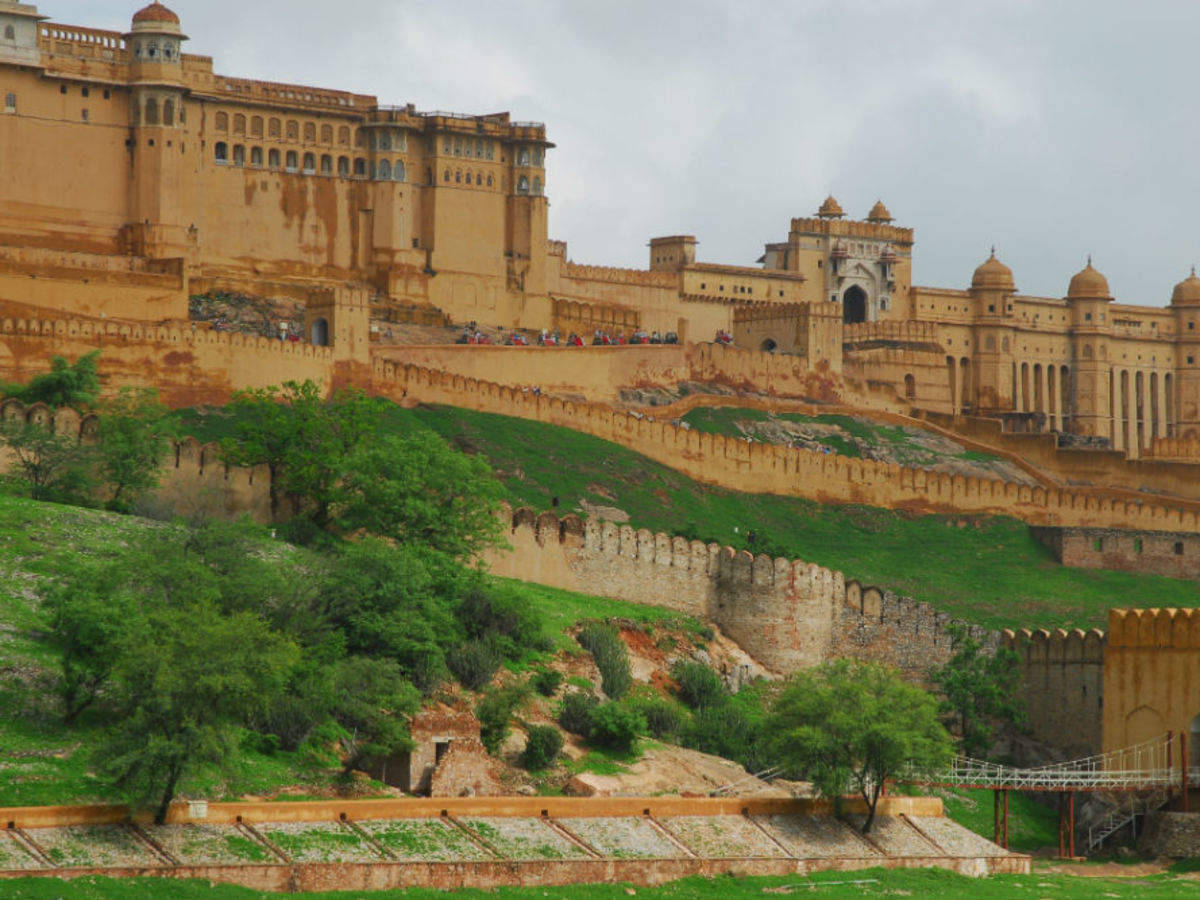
column 1163, row 553
column 1062, row 686
column 780, row 611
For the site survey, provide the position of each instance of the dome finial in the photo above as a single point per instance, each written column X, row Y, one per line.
column 993, row 251
column 1089, row 259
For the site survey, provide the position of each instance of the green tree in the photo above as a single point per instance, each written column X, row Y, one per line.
column 617, row 726
column 306, row 442
column 850, row 726
column 374, row 702
column 416, row 489
column 980, row 689
column 66, row 384
column 50, row 466
column 186, row 680
column 543, row 743
column 495, row 711
column 133, row 438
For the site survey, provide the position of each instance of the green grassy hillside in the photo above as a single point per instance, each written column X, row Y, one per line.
column 986, row 570
column 43, row 761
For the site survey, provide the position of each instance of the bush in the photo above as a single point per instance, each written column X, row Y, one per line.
column 612, row 658
column 699, row 686
column 474, row 664
column 575, row 714
column 504, row 619
column 664, row 719
column 494, row 712
column 542, row 746
column 547, row 682
column 616, row 726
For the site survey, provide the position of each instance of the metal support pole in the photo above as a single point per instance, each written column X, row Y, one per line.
column 1071, row 823
column 1183, row 767
column 1062, row 843
column 996, row 817
column 1005, row 844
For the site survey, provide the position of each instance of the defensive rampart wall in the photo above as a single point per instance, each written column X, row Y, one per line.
column 768, row 468
column 780, row 611
column 1062, row 686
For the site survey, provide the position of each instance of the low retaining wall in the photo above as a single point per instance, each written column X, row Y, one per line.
column 383, row 876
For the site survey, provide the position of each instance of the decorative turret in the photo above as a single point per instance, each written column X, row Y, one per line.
column 993, row 275
column 1187, row 292
column 154, row 41
column 830, row 209
column 879, row 214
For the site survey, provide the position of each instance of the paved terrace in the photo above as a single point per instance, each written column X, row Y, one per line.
column 487, row 842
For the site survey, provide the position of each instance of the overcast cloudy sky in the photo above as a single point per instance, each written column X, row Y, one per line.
column 1051, row 128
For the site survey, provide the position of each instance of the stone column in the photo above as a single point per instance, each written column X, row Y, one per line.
column 1131, row 440
column 1164, row 427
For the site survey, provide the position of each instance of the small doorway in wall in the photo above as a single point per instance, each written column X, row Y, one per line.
column 439, row 751
column 1194, row 743
column 910, row 387
column 768, row 346
column 854, row 305
column 320, row 333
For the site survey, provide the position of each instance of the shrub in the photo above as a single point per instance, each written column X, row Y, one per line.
column 504, row 619
column 547, row 682
column 575, row 714
column 494, row 712
column 699, row 686
column 664, row 719
column 616, row 726
column 542, row 746
column 474, row 664
column 612, row 658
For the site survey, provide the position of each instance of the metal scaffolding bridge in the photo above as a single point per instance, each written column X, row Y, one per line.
column 1140, row 778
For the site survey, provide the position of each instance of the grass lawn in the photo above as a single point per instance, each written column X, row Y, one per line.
column 987, row 570
column 836, row 885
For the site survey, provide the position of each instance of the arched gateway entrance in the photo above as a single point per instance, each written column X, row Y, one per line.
column 854, row 305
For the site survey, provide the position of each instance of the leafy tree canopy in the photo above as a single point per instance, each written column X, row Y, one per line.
column 66, row 384
column 980, row 690
column 850, row 726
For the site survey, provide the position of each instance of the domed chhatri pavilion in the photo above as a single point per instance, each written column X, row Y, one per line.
column 125, row 155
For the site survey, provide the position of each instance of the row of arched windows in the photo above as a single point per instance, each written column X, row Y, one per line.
column 470, row 178
column 478, row 148
column 151, row 116
column 289, row 130
column 308, row 164
column 525, row 186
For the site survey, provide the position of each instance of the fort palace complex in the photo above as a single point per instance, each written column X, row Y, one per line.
column 134, row 177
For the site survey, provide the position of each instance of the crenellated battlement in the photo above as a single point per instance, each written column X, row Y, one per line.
column 1154, row 628
column 1059, row 646
column 614, row 275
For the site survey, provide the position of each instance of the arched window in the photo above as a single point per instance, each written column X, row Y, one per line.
column 360, row 167
column 458, row 146
column 458, row 177
column 310, row 164
column 151, row 111
column 256, row 126
column 523, row 185
column 221, row 122
column 446, row 175
column 344, row 136
column 152, row 49
column 537, row 186
column 273, row 128
column 326, row 164
column 222, row 152
column 384, row 171
column 10, row 103
column 479, row 180
column 385, row 141
column 489, row 181
column 168, row 112
column 292, row 161
column 344, row 166
column 491, row 150
column 319, row 333
column 239, row 155
column 310, row 131
column 326, row 134
column 910, row 387
column 256, row 157
column 293, row 130
column 479, row 149
column 273, row 158
column 10, row 33
column 523, row 157
column 239, row 124
column 446, row 145
column 398, row 173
